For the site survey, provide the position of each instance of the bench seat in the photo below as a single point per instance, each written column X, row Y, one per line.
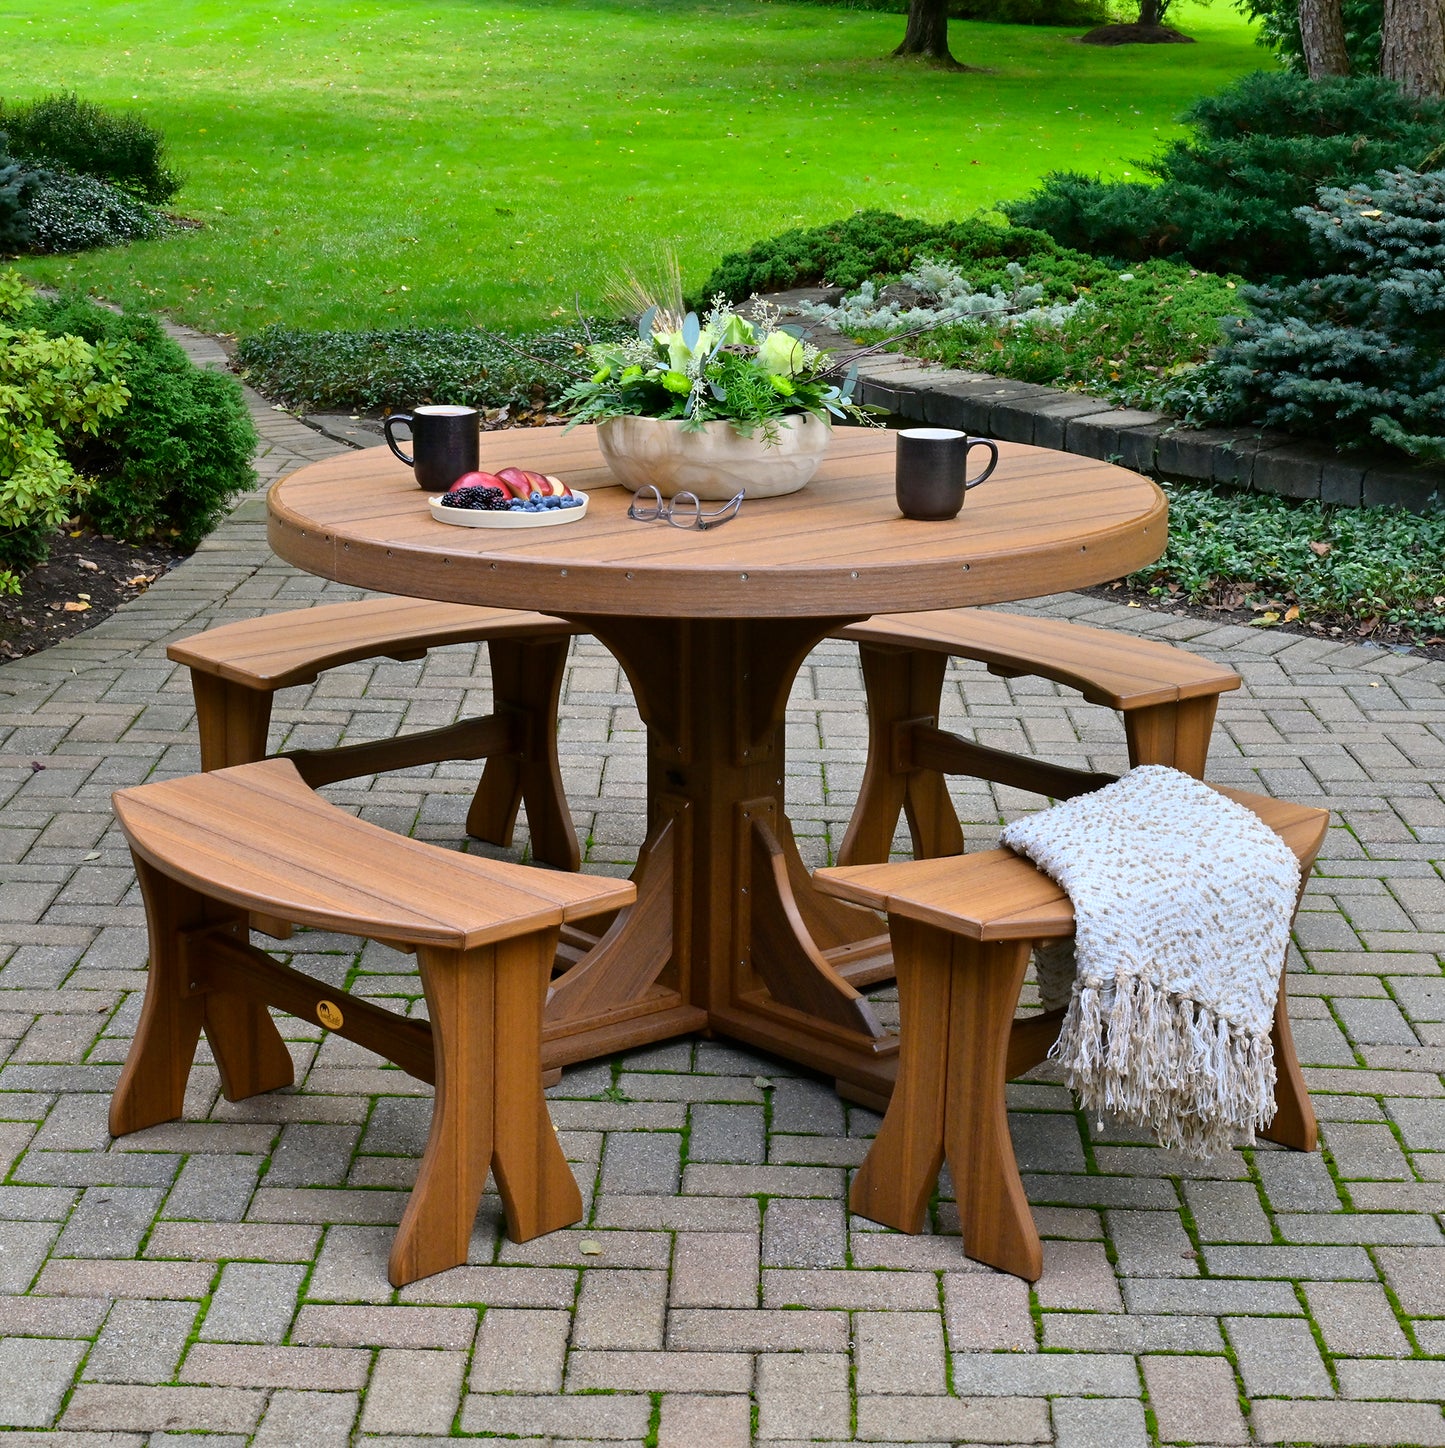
column 237, row 668
column 963, row 931
column 1166, row 697
column 212, row 849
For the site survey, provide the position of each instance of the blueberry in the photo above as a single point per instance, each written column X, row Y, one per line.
column 534, row 498
column 550, row 503
column 516, row 506
column 570, row 502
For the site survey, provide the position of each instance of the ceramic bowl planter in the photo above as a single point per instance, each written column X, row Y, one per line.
column 716, row 461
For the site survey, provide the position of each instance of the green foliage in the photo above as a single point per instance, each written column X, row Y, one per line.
column 54, row 390
column 1358, row 352
column 1279, row 30
column 180, row 452
column 16, row 183
column 63, row 132
column 751, row 373
column 1341, row 566
column 1228, row 198
column 66, row 213
column 1127, row 342
column 873, row 245
column 367, row 371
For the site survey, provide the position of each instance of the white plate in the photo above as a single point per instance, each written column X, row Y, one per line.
column 505, row 518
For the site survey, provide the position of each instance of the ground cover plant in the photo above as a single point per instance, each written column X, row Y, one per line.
column 1372, row 572
column 435, row 164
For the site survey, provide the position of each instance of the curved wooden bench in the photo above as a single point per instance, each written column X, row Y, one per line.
column 1166, row 696
column 238, row 667
column 963, row 930
column 211, row 848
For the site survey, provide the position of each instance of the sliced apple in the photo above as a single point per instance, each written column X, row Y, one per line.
column 517, row 483
column 559, row 488
column 478, row 480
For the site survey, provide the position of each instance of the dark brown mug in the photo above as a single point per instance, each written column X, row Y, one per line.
column 445, row 443
column 931, row 472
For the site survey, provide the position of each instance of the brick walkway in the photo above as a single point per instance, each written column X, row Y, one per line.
column 225, row 1275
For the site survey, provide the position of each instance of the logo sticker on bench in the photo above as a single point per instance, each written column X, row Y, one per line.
column 329, row 1014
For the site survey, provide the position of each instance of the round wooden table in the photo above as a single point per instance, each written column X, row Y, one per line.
column 711, row 629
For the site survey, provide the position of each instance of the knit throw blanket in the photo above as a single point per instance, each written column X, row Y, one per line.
column 1182, row 902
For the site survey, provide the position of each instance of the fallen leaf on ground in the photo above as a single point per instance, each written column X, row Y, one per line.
column 1291, row 613
column 73, row 607
column 588, row 1248
column 1320, row 549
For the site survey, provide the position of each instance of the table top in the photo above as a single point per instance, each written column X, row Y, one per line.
column 1044, row 523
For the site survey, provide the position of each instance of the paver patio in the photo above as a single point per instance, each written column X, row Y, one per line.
column 225, row 1275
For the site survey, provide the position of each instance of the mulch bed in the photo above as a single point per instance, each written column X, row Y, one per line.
column 1136, row 34
column 86, row 578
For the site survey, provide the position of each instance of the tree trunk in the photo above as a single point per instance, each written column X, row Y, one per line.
column 1412, row 49
column 1151, row 12
column 927, row 32
column 1322, row 33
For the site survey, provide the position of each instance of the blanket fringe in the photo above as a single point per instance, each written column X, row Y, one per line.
column 1159, row 1060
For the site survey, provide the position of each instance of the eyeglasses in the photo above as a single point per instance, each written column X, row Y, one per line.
column 683, row 510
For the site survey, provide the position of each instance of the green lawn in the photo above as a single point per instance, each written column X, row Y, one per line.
column 439, row 161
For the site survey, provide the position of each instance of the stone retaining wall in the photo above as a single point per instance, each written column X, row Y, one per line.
column 1147, row 442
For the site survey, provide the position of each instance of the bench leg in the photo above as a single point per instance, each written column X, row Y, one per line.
column 249, row 1051
column 485, row 1006
column 956, row 1001
column 994, row 1216
column 1294, row 1121
column 152, row 1084
column 527, row 679
column 539, row 1193
column 902, row 686
column 1174, row 734
column 233, row 721
column 898, row 1175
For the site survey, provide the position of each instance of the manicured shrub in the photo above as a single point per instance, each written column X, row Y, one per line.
column 55, row 390
column 368, row 371
column 180, row 452
column 1228, row 198
column 873, row 246
column 67, row 213
column 1357, row 352
column 62, row 131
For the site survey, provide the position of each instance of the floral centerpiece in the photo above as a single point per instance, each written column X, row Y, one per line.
column 720, row 405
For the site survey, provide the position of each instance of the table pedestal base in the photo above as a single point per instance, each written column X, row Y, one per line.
column 728, row 931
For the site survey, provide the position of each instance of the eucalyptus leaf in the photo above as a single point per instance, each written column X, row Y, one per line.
column 691, row 330
column 644, row 323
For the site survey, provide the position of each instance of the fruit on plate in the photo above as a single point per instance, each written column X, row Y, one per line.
column 559, row 488
column 476, row 498
column 477, row 480
column 516, row 482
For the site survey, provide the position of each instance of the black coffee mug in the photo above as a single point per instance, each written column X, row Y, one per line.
column 932, row 471
column 445, row 441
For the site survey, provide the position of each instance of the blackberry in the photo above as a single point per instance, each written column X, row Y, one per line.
column 478, row 500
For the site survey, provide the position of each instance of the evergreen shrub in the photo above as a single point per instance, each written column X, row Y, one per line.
column 1228, row 198
column 181, row 451
column 64, row 132
column 368, row 371
column 876, row 245
column 16, row 184
column 1356, row 352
